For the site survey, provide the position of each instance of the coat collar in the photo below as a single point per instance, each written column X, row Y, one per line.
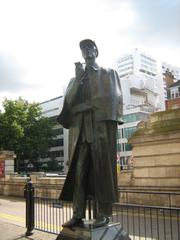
column 94, row 67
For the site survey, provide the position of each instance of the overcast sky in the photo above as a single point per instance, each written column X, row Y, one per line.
column 39, row 39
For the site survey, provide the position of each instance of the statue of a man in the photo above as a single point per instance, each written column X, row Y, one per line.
column 91, row 111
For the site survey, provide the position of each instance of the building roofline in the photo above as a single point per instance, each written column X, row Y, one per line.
column 51, row 99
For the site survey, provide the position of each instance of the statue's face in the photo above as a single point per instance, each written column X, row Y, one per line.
column 89, row 52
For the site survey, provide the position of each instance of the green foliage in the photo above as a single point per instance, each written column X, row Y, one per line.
column 54, row 166
column 51, row 166
column 24, row 130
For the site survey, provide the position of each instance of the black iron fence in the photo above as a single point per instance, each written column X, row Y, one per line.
column 141, row 221
column 148, row 222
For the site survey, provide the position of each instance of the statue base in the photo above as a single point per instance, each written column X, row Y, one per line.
column 89, row 232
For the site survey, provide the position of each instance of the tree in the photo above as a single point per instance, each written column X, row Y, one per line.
column 24, row 130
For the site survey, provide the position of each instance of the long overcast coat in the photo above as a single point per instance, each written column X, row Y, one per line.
column 106, row 104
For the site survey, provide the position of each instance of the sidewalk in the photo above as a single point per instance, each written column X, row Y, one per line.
column 9, row 231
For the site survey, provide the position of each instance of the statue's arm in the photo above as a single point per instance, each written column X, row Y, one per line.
column 71, row 91
column 74, row 84
column 117, row 92
column 66, row 114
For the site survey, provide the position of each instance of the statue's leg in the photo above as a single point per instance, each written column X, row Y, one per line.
column 79, row 196
column 104, row 157
column 104, row 209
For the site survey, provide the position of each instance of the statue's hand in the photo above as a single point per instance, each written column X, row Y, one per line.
column 79, row 71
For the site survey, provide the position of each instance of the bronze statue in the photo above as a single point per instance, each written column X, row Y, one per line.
column 91, row 111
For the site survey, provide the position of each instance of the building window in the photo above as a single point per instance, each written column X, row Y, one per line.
column 125, row 58
column 128, row 147
column 120, row 133
column 125, row 64
column 130, row 118
column 147, row 72
column 119, row 147
column 125, row 74
column 61, row 153
column 129, row 131
column 58, row 142
column 54, row 154
column 125, row 69
column 148, row 58
column 58, row 131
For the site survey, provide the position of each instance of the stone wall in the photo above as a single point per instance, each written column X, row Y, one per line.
column 13, row 185
column 156, row 150
column 49, row 186
column 156, row 164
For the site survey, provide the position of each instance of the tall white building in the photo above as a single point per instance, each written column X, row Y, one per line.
column 138, row 74
column 59, row 149
column 141, row 88
column 144, row 88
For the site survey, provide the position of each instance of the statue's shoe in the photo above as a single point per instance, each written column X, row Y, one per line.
column 101, row 221
column 73, row 222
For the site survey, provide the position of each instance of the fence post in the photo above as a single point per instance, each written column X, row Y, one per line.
column 29, row 195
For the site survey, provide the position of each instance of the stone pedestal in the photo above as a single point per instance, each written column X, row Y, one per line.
column 156, row 150
column 112, row 231
column 156, row 163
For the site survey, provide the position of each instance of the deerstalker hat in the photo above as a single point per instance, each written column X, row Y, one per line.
column 89, row 42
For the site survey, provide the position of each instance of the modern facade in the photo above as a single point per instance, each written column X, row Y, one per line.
column 141, row 90
column 132, row 117
column 59, row 149
column 140, row 85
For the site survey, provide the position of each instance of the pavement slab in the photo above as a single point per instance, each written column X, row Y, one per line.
column 9, row 231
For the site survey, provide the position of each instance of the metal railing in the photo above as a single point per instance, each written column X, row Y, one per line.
column 148, row 222
column 149, row 197
column 141, row 221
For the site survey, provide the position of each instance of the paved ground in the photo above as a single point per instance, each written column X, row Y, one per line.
column 9, row 231
column 142, row 224
column 12, row 221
